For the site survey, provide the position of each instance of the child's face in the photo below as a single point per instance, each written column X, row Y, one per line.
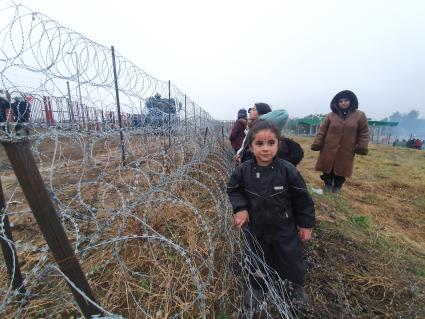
column 264, row 147
column 344, row 104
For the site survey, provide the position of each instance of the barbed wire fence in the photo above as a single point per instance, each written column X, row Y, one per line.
column 142, row 203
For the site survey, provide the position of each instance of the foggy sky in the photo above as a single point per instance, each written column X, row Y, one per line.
column 291, row 54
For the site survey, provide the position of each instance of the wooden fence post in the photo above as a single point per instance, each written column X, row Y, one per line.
column 29, row 177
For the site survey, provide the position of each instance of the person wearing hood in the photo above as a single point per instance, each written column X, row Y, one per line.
column 238, row 131
column 343, row 134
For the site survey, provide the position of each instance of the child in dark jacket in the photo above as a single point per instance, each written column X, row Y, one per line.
column 270, row 197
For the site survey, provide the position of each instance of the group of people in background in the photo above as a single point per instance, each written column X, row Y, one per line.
column 270, row 200
column 412, row 142
column 20, row 112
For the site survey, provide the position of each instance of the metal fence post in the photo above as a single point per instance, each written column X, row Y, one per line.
column 169, row 114
column 194, row 115
column 8, row 247
column 185, row 116
column 118, row 105
column 205, row 135
column 222, row 134
column 71, row 111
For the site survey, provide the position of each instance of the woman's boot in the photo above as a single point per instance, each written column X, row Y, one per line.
column 338, row 182
column 328, row 180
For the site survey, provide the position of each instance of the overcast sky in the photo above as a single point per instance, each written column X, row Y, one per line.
column 291, row 54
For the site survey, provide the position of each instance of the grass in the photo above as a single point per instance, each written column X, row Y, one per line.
column 361, row 221
column 369, row 249
column 366, row 260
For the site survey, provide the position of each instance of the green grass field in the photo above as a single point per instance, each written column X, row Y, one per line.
column 367, row 258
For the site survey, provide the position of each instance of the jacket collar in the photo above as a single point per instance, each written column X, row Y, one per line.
column 350, row 111
column 258, row 167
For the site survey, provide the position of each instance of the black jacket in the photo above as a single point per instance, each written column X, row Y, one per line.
column 289, row 150
column 275, row 196
column 21, row 111
column 4, row 104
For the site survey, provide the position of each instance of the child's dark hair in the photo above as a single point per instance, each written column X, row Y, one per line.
column 261, row 125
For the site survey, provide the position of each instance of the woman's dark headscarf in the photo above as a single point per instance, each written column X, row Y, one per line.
column 262, row 108
column 242, row 114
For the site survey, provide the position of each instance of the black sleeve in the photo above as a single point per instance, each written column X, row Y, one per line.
column 302, row 203
column 236, row 192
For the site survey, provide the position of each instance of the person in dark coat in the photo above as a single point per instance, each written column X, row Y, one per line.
column 270, row 197
column 254, row 112
column 4, row 105
column 343, row 134
column 21, row 113
column 418, row 144
column 238, row 131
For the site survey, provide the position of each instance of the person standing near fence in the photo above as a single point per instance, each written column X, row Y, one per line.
column 343, row 134
column 238, row 130
column 271, row 203
column 254, row 113
column 21, row 113
column 4, row 105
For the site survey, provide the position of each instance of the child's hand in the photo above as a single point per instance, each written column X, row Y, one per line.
column 238, row 159
column 304, row 233
column 241, row 218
